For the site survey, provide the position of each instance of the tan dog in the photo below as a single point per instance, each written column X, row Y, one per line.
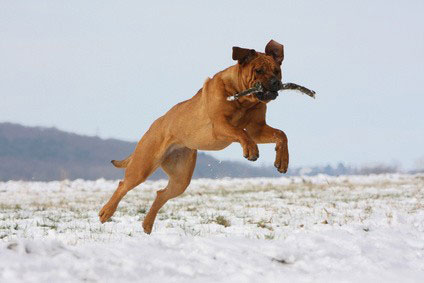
column 207, row 121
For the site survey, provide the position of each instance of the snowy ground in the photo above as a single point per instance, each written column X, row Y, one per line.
column 311, row 229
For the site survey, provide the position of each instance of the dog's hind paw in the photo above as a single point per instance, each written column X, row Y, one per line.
column 147, row 228
column 106, row 212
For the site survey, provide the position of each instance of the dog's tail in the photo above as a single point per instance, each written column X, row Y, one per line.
column 122, row 163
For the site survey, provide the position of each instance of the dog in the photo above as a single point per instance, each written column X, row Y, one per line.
column 207, row 121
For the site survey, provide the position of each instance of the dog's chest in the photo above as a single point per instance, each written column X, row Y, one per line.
column 241, row 117
column 237, row 117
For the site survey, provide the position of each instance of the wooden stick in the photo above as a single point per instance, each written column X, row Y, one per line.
column 258, row 88
column 300, row 88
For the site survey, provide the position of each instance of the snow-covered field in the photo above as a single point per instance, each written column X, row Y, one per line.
column 310, row 229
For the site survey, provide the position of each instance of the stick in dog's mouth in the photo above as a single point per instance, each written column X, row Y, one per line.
column 261, row 94
column 300, row 88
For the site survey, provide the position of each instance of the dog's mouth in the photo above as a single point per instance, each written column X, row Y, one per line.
column 258, row 91
column 266, row 95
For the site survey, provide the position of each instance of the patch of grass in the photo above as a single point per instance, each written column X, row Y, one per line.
column 45, row 225
column 189, row 230
column 5, row 206
column 263, row 224
column 270, row 236
column 368, row 209
column 10, row 227
column 52, row 219
column 141, row 210
column 221, row 220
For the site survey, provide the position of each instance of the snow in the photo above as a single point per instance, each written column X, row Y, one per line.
column 297, row 229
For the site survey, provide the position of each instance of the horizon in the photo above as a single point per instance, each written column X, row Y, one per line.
column 371, row 166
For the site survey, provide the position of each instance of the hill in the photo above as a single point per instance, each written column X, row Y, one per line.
column 44, row 154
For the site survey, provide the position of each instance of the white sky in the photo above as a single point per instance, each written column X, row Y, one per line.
column 112, row 67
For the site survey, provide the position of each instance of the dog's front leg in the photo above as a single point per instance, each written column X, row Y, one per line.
column 262, row 133
column 223, row 130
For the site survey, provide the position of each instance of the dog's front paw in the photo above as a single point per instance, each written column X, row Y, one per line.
column 282, row 159
column 106, row 212
column 251, row 151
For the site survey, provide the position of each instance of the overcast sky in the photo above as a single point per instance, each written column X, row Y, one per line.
column 112, row 67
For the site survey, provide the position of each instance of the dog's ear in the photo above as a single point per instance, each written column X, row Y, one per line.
column 276, row 50
column 243, row 55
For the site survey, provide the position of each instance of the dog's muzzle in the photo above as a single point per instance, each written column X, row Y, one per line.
column 271, row 92
column 274, row 84
column 267, row 95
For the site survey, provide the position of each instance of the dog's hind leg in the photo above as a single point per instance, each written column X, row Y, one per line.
column 146, row 158
column 179, row 166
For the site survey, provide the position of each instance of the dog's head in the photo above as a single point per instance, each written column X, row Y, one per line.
column 264, row 68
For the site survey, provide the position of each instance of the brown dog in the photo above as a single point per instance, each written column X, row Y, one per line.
column 207, row 121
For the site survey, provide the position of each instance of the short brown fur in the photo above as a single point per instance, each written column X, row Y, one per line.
column 207, row 121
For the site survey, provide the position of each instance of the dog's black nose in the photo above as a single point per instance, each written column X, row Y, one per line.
column 274, row 84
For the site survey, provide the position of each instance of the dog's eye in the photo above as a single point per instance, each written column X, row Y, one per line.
column 260, row 71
